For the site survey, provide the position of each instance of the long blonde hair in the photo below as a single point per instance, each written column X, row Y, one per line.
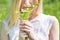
column 14, row 15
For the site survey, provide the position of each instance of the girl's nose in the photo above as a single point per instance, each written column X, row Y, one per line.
column 27, row 3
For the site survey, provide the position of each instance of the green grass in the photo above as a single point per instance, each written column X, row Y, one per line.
column 4, row 7
column 52, row 8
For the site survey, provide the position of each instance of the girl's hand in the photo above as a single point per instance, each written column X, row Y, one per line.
column 28, row 29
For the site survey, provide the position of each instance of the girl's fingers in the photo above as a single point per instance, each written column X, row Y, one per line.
column 25, row 30
column 26, row 23
column 25, row 27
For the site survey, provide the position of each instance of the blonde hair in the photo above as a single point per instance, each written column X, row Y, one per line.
column 14, row 13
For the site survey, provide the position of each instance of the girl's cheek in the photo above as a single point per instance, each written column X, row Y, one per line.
column 36, row 0
column 31, row 2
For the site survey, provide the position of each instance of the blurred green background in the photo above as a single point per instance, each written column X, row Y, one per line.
column 51, row 7
column 4, row 9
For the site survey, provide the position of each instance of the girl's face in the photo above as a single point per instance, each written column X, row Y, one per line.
column 27, row 3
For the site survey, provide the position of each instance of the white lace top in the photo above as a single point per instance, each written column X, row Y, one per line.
column 41, row 25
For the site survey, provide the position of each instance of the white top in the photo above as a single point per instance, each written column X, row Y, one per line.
column 41, row 25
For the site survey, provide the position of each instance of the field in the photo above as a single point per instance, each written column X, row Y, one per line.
column 4, row 7
column 52, row 7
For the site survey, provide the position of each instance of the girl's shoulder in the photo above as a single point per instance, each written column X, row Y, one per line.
column 50, row 17
column 51, row 20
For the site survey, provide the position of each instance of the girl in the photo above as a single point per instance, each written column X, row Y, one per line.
column 39, row 26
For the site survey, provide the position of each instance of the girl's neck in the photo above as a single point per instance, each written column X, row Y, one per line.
column 34, row 13
column 32, row 16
